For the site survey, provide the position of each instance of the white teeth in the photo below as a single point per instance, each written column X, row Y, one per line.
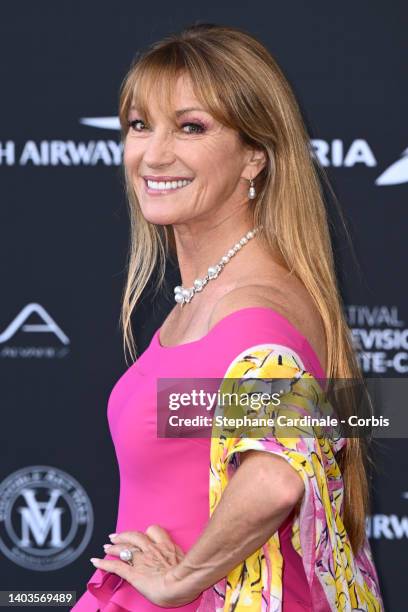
column 167, row 184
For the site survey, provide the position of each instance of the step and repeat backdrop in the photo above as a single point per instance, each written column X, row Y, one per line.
column 64, row 239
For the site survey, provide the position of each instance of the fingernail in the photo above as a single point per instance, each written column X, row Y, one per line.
column 112, row 535
column 94, row 560
column 106, row 545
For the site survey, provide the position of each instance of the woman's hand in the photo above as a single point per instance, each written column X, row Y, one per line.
column 154, row 556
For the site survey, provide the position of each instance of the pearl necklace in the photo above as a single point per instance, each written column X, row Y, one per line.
column 184, row 295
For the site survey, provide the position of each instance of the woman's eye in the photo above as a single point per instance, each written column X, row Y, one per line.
column 200, row 128
column 134, row 123
column 196, row 128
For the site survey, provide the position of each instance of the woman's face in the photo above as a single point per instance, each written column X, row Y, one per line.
column 192, row 147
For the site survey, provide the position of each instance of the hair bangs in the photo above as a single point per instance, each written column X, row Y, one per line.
column 154, row 77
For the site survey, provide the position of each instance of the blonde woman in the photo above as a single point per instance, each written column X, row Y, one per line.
column 219, row 176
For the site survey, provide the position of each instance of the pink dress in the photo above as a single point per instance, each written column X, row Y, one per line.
column 166, row 481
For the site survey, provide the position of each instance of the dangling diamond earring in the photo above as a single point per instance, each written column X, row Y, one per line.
column 251, row 190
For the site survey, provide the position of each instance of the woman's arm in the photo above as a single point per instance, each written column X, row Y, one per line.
column 258, row 498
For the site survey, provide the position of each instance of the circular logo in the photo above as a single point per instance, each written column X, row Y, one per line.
column 46, row 518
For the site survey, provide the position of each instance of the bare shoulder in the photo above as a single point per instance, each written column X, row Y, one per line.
column 292, row 301
column 254, row 295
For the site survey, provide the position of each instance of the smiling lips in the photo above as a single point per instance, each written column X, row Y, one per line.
column 165, row 186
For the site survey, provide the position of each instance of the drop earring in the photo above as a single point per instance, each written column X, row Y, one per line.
column 251, row 190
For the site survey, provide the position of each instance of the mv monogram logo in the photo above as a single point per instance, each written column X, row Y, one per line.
column 40, row 519
column 46, row 518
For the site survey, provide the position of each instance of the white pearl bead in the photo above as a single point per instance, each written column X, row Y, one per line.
column 183, row 295
column 125, row 555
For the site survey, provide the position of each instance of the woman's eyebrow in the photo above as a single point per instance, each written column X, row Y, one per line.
column 181, row 111
column 190, row 108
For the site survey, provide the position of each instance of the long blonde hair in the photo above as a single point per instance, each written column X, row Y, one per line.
column 237, row 80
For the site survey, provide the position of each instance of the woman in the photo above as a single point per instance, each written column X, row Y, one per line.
column 219, row 174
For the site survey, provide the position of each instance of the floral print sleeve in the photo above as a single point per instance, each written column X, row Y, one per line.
column 338, row 579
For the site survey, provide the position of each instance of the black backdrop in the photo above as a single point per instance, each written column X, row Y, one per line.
column 64, row 237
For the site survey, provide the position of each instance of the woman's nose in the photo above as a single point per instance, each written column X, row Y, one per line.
column 159, row 148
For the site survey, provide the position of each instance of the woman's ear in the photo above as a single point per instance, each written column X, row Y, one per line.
column 257, row 161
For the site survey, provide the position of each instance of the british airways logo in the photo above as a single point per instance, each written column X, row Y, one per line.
column 105, row 123
column 397, row 173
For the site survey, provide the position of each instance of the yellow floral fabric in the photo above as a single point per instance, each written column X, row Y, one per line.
column 338, row 579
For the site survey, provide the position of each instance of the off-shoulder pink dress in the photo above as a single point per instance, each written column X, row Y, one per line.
column 166, row 481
